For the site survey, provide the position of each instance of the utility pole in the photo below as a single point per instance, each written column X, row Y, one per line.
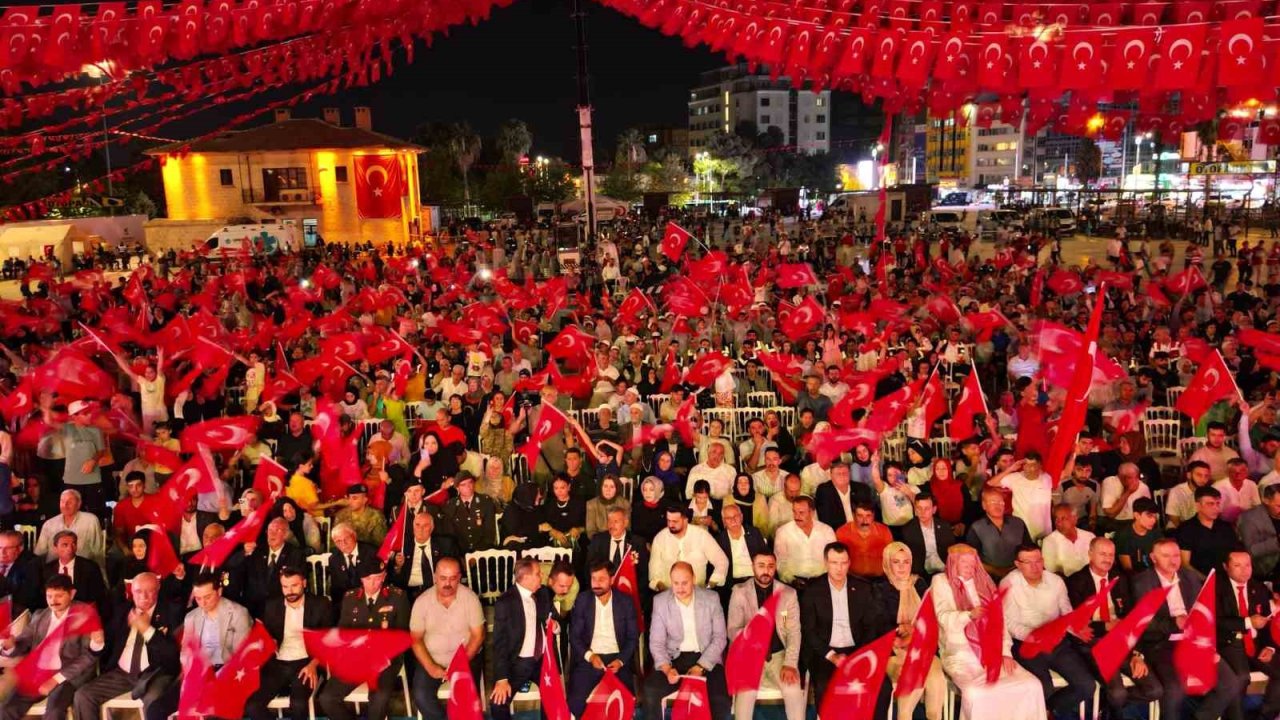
column 579, row 13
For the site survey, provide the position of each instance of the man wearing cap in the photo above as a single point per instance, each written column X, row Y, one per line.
column 85, row 449
column 371, row 606
column 369, row 524
column 470, row 517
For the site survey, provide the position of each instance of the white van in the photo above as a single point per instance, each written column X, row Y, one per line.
column 263, row 238
column 951, row 219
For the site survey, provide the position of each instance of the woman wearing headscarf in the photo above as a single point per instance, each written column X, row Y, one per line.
column 751, row 503
column 665, row 470
column 899, row 596
column 951, row 496
column 647, row 516
column 435, row 464
column 303, row 530
column 960, row 598
column 919, row 462
column 608, row 497
column 522, row 517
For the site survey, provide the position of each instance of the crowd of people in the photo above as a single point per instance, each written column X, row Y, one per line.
column 422, row 405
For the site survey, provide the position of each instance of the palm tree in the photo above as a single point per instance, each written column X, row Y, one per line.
column 464, row 146
column 513, row 140
column 631, row 152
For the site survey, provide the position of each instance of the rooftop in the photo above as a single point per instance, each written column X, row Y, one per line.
column 293, row 134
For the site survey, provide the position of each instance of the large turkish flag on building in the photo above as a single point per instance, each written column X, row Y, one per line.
column 379, row 185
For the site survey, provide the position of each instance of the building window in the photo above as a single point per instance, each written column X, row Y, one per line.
column 764, row 119
column 225, row 177
column 340, row 173
column 764, row 102
column 821, row 118
column 653, row 138
column 820, row 135
column 276, row 180
column 820, row 102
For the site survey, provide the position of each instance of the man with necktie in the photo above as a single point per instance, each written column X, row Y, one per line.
column 349, row 559
column 415, row 568
column 1244, row 643
column 141, row 657
column 21, row 570
column 372, row 605
column 85, row 575
column 470, row 517
column 264, row 563
column 519, row 635
column 76, row 659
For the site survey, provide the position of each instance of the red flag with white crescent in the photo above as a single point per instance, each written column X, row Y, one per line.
column 971, row 404
column 44, row 661
column 921, row 650
column 1076, row 405
column 625, row 582
column 356, row 656
column 1114, row 647
column 555, row 706
column 745, row 661
column 610, row 700
column 855, row 686
column 1195, row 656
column 226, row 433
column 269, row 478
column 674, row 241
column 1047, row 637
column 692, row 701
column 1211, row 383
column 379, row 186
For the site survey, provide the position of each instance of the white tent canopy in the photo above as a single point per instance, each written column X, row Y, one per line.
column 577, row 205
column 38, row 241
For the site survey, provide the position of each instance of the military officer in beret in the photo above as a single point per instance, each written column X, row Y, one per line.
column 372, row 606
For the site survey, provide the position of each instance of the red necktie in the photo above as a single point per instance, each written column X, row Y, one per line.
column 1244, row 613
column 1104, row 612
column 64, row 570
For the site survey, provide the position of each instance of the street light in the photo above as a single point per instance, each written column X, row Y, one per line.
column 875, row 165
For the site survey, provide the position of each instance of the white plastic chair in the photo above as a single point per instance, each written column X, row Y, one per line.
column 940, row 446
column 1161, row 412
column 319, row 566
column 490, row 573
column 548, row 554
column 1173, row 394
column 29, row 535
column 123, row 701
column 762, row 399
column 360, row 695
column 1188, row 446
column 1162, row 436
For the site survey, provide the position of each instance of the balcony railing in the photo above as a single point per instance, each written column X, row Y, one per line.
column 295, row 196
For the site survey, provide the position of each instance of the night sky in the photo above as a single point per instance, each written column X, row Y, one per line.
column 521, row 63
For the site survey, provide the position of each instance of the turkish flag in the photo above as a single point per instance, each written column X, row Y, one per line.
column 633, row 304
column 1076, row 404
column 464, row 699
column 379, row 186
column 610, row 700
column 889, row 411
column 245, row 531
column 827, row 445
column 921, row 650
column 934, row 400
column 951, row 57
column 625, row 582
column 570, row 343
column 19, row 402
column 855, row 686
column 1179, row 63
column 555, row 706
column 1047, row 637
column 43, row 662
column 986, row 635
column 886, row 52
column 1065, row 282
column 196, row 674
column 794, row 275
column 1259, row 340
column 73, row 377
column 916, row 59
column 943, row 309
column 692, row 701
column 674, row 241
column 1241, row 56
column 395, row 537
column 1211, row 383
column 991, row 63
column 710, row 269
column 707, row 368
column 197, row 475
column 225, row 696
column 1114, row 648
column 971, row 404
column 356, row 656
column 550, row 422
column 1038, row 64
column 861, row 392
column 161, row 558
column 1269, row 131
column 1131, row 51
column 269, row 478
column 1195, row 656
column 226, row 433
column 748, row 652
column 801, row 321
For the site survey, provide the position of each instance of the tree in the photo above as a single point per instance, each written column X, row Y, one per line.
column 741, row 160
column 552, row 182
column 500, row 185
column 622, row 185
column 513, row 141
column 666, row 171
column 464, row 148
column 1088, row 161
column 142, row 204
column 438, row 175
column 631, row 153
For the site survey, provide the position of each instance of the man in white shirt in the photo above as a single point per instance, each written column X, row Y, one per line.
column 1115, row 504
column 800, row 545
column 686, row 637
column 768, row 480
column 780, row 505
column 833, row 387
column 455, row 384
column 715, row 471
column 1180, row 505
column 291, row 669
column 1032, row 491
column 1033, row 598
column 1066, row 549
column 1215, row 452
column 85, row 525
column 603, row 631
column 1239, row 492
column 682, row 541
column 813, row 475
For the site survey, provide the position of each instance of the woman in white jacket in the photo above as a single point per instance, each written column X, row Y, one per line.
column 959, row 597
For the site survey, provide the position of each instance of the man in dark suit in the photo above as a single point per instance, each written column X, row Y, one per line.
column 1084, row 584
column 22, row 571
column 518, row 644
column 1154, row 652
column 592, row 650
column 832, row 498
column 928, row 536
column 825, row 645
column 141, row 656
column 612, row 545
column 348, row 561
column 291, row 670
column 85, row 574
column 414, row 505
column 739, row 543
column 372, row 605
column 415, row 568
column 264, row 563
column 1244, row 609
column 78, row 662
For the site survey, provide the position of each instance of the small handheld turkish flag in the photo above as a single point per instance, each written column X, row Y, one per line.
column 1047, row 637
column 986, row 635
column 674, row 241
column 43, row 662
column 220, row 433
column 555, row 706
column 971, row 404
column 1195, row 655
column 270, row 478
column 356, row 656
column 217, row 552
column 1212, row 382
column 921, row 650
column 744, row 664
column 692, row 701
column 550, row 422
column 240, row 678
column 1114, row 648
column 855, row 686
column 624, row 581
column 464, row 699
column 610, row 700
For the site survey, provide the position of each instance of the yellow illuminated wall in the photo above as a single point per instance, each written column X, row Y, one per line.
column 194, row 191
column 946, row 149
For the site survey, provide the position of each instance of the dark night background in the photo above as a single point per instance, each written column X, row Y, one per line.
column 522, row 63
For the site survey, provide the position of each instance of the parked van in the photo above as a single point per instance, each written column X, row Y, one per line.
column 951, row 219
column 262, row 238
